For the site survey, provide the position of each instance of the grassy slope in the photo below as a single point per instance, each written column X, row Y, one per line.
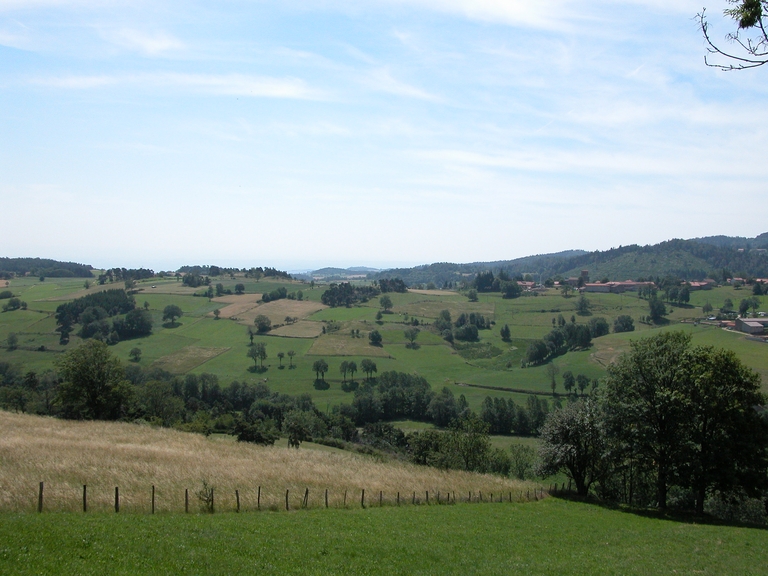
column 548, row 537
column 527, row 317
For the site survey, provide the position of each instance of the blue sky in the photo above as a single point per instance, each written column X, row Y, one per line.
column 381, row 133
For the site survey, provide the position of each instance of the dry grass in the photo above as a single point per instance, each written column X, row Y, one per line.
column 277, row 311
column 187, row 358
column 345, row 345
column 66, row 455
column 302, row 329
column 432, row 308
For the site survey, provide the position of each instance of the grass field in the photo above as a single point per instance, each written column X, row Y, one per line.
column 538, row 538
column 66, row 454
column 489, row 362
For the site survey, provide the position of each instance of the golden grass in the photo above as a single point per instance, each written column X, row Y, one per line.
column 344, row 345
column 187, row 358
column 301, row 329
column 65, row 455
column 278, row 310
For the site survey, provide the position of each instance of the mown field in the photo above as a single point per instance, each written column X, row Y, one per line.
column 547, row 537
column 199, row 343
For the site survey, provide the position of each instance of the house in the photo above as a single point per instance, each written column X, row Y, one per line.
column 752, row 325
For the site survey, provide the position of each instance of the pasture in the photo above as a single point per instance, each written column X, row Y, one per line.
column 550, row 537
column 200, row 343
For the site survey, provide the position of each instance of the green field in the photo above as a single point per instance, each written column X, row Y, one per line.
column 199, row 343
column 548, row 537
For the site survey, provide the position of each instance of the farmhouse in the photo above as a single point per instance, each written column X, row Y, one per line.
column 616, row 287
column 752, row 325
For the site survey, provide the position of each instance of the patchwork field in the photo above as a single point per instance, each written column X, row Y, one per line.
column 199, row 343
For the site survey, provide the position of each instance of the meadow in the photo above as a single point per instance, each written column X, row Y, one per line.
column 551, row 536
column 198, row 342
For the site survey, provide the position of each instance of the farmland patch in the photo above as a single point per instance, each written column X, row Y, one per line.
column 187, row 358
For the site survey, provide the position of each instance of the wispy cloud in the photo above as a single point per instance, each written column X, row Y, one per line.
column 218, row 84
column 148, row 43
column 381, row 80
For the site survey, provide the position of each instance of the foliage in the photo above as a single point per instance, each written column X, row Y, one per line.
column 392, row 285
column 115, row 301
column 375, row 338
column 623, row 323
column 276, row 294
column 171, row 312
column 385, row 302
column 93, row 385
column 687, row 416
column 345, row 294
column 572, row 441
column 262, row 323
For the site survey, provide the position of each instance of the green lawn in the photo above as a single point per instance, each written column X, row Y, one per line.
column 548, row 537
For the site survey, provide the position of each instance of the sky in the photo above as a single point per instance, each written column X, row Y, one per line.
column 380, row 132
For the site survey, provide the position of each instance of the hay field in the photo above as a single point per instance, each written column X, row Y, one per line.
column 65, row 455
column 187, row 358
column 245, row 308
column 301, row 329
column 344, row 345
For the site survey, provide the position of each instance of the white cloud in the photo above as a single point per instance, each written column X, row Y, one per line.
column 151, row 44
column 218, row 84
column 382, row 80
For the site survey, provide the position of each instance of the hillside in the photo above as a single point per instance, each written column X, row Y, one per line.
column 66, row 455
column 688, row 259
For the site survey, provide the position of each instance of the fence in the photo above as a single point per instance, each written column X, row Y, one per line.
column 210, row 501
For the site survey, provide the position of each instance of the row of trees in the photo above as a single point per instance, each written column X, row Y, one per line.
column 672, row 415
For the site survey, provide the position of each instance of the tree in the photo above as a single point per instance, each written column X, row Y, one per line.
column 216, row 314
column 135, row 354
column 707, row 308
column 750, row 37
column 552, row 370
column 251, row 331
column 262, row 323
column 344, row 368
column 239, row 289
column 726, row 439
column 727, row 306
column 411, row 334
column 280, row 356
column 510, row 289
column 386, row 302
column 568, row 381
column 472, row 295
column 645, row 406
column 93, row 384
column 572, row 441
column 320, row 367
column 368, row 367
column 352, row 367
column 505, row 333
column 582, row 382
column 12, row 341
column 656, row 309
column 583, row 305
column 291, row 354
column 374, row 336
column 258, row 353
column 171, row 312
column 744, row 307
column 219, row 289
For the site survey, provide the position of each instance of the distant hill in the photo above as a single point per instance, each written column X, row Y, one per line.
column 43, row 267
column 715, row 256
column 341, row 273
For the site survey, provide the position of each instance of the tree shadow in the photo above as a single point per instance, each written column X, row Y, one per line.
column 681, row 516
column 258, row 369
column 413, row 345
column 321, row 385
column 172, row 325
column 350, row 386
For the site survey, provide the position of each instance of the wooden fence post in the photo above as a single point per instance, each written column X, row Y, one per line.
column 40, row 498
column 213, row 508
column 85, row 498
column 153, row 498
column 427, row 497
column 481, row 496
column 306, row 498
column 438, row 497
column 326, row 497
column 398, row 498
column 117, row 499
column 237, row 497
column 414, row 498
column 362, row 499
column 345, row 498
column 381, row 496
column 186, row 500
column 258, row 499
column 286, row 500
